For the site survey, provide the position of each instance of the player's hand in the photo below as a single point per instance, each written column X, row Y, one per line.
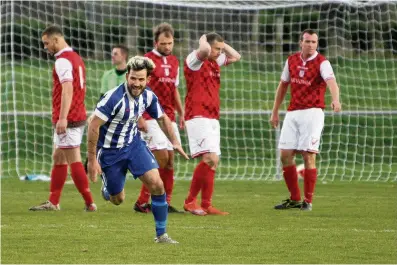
column 336, row 106
column 94, row 169
column 61, row 125
column 181, row 122
column 142, row 125
column 274, row 119
column 179, row 149
column 203, row 39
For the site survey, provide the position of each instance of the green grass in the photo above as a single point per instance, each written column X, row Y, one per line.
column 351, row 222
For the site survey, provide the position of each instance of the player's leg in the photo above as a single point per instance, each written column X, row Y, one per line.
column 59, row 174
column 114, row 166
column 157, row 143
column 71, row 150
column 311, row 126
column 146, row 170
column 167, row 172
column 198, row 131
column 288, row 143
column 142, row 204
column 309, row 180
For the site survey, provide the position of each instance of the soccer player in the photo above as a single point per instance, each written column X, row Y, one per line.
column 68, row 118
column 202, row 104
column 163, row 82
column 115, row 76
column 308, row 73
column 113, row 130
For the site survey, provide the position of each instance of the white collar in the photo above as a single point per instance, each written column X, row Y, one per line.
column 310, row 58
column 156, row 52
column 66, row 49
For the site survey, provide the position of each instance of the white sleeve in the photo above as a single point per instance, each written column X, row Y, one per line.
column 193, row 61
column 64, row 70
column 177, row 78
column 285, row 76
column 222, row 59
column 326, row 70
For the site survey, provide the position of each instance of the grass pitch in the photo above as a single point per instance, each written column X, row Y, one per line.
column 351, row 222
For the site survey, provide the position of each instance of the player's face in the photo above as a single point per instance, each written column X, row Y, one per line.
column 136, row 81
column 216, row 50
column 164, row 44
column 50, row 44
column 117, row 56
column 309, row 44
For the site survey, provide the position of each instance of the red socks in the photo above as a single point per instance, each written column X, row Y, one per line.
column 81, row 181
column 167, row 176
column 291, row 179
column 207, row 187
column 59, row 174
column 309, row 183
column 203, row 179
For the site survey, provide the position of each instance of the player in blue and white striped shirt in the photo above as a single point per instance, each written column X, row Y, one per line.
column 113, row 130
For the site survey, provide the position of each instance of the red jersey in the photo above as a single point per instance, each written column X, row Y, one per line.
column 69, row 67
column 163, row 82
column 307, row 80
column 203, row 81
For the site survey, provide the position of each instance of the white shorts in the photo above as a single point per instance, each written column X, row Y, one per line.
column 302, row 130
column 204, row 136
column 70, row 139
column 155, row 137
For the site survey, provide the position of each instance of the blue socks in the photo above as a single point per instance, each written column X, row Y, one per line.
column 160, row 213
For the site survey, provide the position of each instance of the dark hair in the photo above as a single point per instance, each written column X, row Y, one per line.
column 213, row 36
column 52, row 30
column 163, row 28
column 308, row 31
column 124, row 50
column 138, row 63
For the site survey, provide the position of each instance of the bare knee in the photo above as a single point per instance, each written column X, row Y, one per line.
column 161, row 157
column 156, row 187
column 211, row 159
column 117, row 199
column 287, row 157
column 309, row 159
column 59, row 158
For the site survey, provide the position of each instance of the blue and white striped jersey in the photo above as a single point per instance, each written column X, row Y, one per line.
column 121, row 111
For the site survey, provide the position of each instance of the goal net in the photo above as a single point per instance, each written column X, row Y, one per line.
column 358, row 37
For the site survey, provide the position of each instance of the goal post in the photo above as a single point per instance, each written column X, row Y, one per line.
column 358, row 37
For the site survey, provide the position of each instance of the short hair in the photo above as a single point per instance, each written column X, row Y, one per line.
column 124, row 49
column 165, row 28
column 138, row 63
column 308, row 31
column 52, row 30
column 213, row 36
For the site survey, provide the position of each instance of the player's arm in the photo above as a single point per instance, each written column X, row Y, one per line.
column 93, row 167
column 104, row 84
column 334, row 89
column 166, row 126
column 327, row 73
column 66, row 102
column 231, row 54
column 178, row 104
column 64, row 70
column 281, row 91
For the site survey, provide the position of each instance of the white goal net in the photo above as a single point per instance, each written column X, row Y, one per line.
column 358, row 37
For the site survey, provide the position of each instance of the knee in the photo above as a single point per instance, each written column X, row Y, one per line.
column 162, row 160
column 156, row 187
column 58, row 158
column 117, row 199
column 211, row 160
column 287, row 159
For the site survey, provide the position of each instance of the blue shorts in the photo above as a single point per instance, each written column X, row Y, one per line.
column 115, row 162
